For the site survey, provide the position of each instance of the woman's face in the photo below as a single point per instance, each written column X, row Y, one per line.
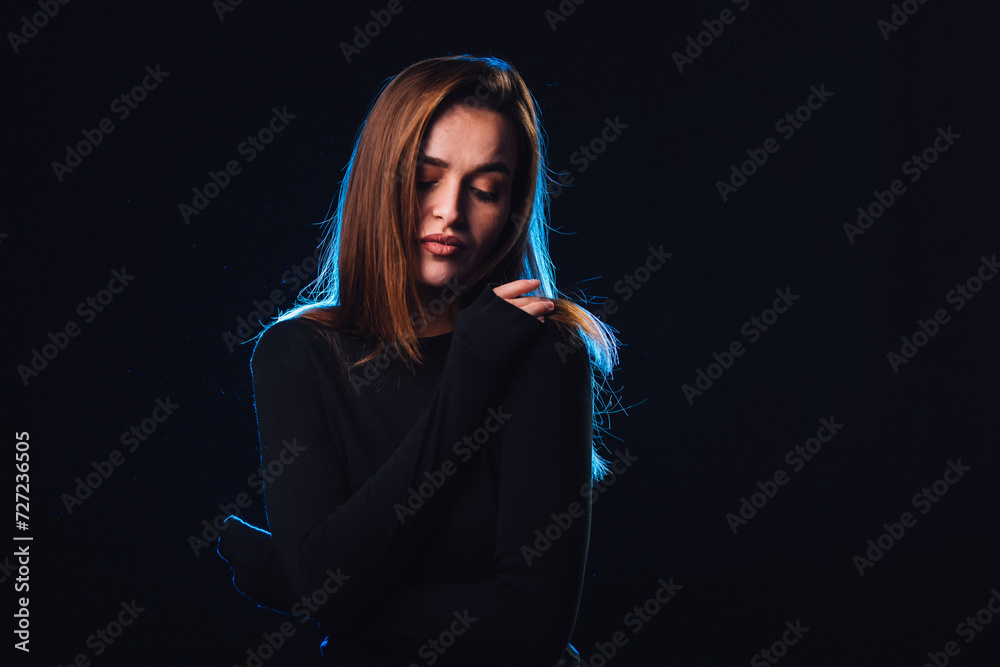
column 465, row 171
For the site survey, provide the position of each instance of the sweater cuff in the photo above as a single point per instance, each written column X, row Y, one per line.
column 494, row 328
column 256, row 570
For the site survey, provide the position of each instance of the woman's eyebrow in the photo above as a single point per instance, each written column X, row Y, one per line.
column 485, row 167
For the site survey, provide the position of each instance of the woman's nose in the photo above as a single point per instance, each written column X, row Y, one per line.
column 447, row 204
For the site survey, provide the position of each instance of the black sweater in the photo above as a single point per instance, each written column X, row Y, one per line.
column 435, row 517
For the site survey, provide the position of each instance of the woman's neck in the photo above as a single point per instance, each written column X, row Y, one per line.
column 435, row 327
column 435, row 317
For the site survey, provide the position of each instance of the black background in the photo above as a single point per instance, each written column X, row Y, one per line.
column 654, row 185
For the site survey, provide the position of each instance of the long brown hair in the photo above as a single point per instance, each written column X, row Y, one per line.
column 366, row 285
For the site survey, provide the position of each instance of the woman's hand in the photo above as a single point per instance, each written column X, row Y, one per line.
column 536, row 306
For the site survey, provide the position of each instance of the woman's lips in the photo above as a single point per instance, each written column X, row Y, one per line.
column 441, row 245
column 440, row 249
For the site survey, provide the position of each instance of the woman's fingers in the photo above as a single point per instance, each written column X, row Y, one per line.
column 515, row 288
column 535, row 306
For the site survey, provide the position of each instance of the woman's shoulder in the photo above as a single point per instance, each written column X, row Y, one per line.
column 302, row 335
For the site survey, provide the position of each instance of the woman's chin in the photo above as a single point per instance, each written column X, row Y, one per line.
column 440, row 281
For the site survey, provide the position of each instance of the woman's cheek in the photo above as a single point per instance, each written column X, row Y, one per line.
column 486, row 247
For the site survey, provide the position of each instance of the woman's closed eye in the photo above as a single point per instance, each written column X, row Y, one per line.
column 481, row 195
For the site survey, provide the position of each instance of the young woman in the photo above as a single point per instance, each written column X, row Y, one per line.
column 431, row 397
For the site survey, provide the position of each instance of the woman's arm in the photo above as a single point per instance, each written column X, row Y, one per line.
column 363, row 539
column 526, row 611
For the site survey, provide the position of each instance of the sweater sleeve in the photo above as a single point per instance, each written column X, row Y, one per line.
column 525, row 613
column 359, row 548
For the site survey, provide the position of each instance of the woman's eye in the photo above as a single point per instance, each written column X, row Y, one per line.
column 481, row 195
column 488, row 197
